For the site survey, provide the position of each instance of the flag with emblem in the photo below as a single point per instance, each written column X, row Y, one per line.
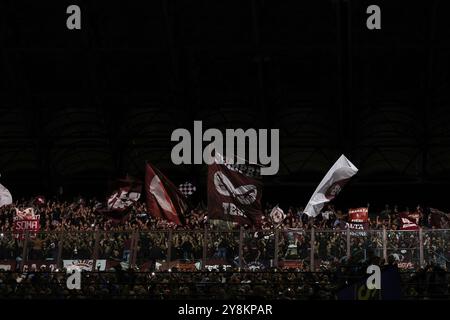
column 330, row 186
column 234, row 192
column 187, row 189
column 277, row 215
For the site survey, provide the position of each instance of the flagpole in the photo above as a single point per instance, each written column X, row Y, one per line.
column 248, row 162
column 245, row 160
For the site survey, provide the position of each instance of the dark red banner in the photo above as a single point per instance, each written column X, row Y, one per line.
column 26, row 221
column 358, row 218
column 233, row 196
column 359, row 215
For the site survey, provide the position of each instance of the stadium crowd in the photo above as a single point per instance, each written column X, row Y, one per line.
column 427, row 283
column 82, row 215
column 79, row 220
column 332, row 259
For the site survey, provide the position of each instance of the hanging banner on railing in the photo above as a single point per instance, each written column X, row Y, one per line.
column 6, row 266
column 84, row 265
column 29, row 265
column 36, row 265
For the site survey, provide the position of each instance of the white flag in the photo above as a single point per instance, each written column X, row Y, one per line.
column 330, row 185
column 5, row 196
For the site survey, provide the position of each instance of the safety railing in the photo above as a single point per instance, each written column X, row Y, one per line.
column 303, row 250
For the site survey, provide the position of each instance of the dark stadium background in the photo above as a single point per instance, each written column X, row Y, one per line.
column 79, row 109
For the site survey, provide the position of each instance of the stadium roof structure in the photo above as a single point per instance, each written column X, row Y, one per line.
column 83, row 107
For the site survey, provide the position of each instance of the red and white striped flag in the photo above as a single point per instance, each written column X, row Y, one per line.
column 164, row 200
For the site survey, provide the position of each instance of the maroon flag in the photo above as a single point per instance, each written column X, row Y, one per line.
column 234, row 193
column 408, row 221
column 164, row 200
column 129, row 192
column 438, row 218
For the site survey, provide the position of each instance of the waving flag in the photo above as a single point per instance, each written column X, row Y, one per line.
column 234, row 193
column 128, row 192
column 164, row 200
column 187, row 189
column 5, row 196
column 277, row 215
column 438, row 218
column 408, row 221
column 331, row 185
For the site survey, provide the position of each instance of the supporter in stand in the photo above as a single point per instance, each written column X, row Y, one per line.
column 78, row 221
column 72, row 217
column 429, row 282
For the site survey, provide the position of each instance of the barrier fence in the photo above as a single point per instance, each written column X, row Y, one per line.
column 304, row 250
